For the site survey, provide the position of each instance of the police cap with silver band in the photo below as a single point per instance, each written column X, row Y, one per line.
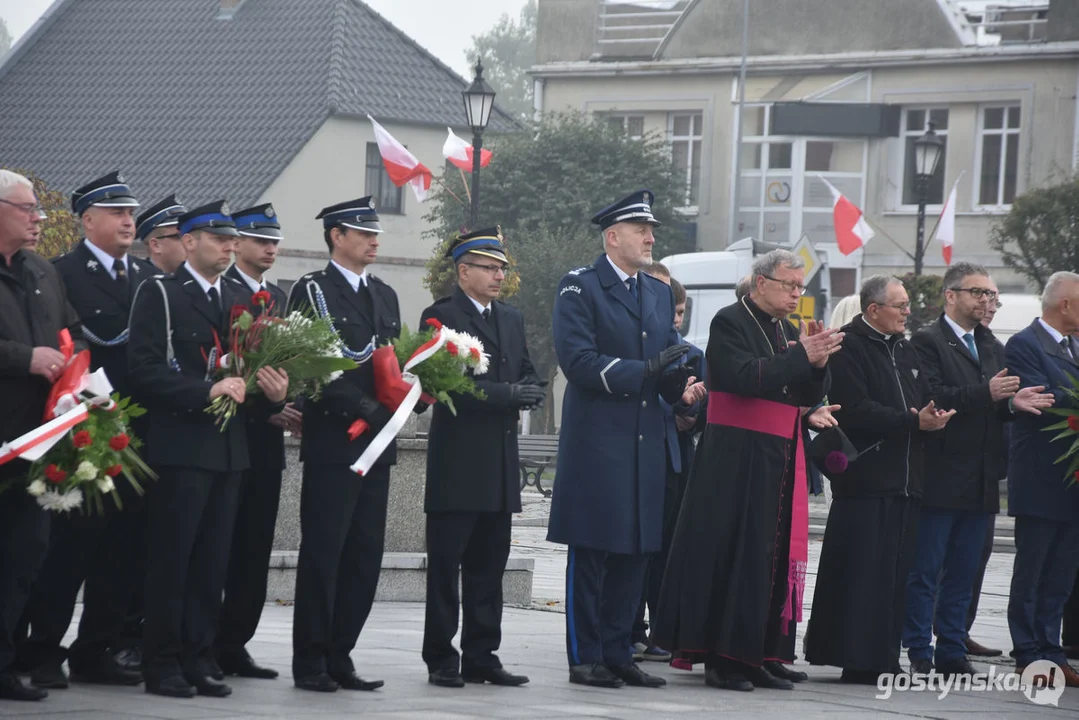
column 357, row 214
column 107, row 191
column 487, row 242
column 635, row 208
column 213, row 218
column 164, row 214
column 259, row 222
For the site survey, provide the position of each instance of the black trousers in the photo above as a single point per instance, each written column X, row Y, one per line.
column 1070, row 621
column 249, row 559
column 603, row 591
column 343, row 529
column 674, row 489
column 102, row 552
column 190, row 517
column 24, row 542
column 987, row 550
column 477, row 544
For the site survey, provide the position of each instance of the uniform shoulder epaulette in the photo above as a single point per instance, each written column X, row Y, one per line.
column 312, row 276
column 580, row 270
column 162, row 276
column 232, row 280
column 375, row 278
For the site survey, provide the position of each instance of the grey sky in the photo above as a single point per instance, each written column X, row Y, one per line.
column 444, row 27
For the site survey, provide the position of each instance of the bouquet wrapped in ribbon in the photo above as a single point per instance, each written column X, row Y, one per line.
column 85, row 443
column 1069, row 432
column 305, row 347
column 427, row 366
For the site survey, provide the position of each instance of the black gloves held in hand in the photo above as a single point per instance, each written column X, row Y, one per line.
column 672, row 384
column 654, row 366
column 522, row 396
column 375, row 413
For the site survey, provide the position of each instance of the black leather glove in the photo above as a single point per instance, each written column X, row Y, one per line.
column 375, row 413
column 420, row 408
column 655, row 365
column 672, row 384
column 522, row 395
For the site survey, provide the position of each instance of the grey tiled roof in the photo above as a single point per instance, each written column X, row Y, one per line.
column 184, row 102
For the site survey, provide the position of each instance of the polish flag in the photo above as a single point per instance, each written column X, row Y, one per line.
column 401, row 165
column 459, row 152
column 851, row 230
column 946, row 225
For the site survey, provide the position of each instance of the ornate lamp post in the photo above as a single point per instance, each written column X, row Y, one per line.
column 927, row 152
column 479, row 101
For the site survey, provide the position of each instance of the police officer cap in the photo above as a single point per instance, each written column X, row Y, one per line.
column 164, row 214
column 213, row 217
column 357, row 214
column 258, row 222
column 634, row 208
column 486, row 242
column 107, row 191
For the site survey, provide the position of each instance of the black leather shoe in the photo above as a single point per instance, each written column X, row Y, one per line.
column 632, row 675
column 783, row 672
column 446, row 677
column 103, row 670
column 761, row 678
column 213, row 669
column 170, row 686
column 322, row 682
column 727, row 681
column 921, row 667
column 241, row 665
column 1071, row 652
column 595, row 675
column 859, row 677
column 495, row 676
column 352, row 681
column 129, row 658
column 11, row 688
column 958, row 667
column 207, row 686
column 979, row 650
column 51, row 676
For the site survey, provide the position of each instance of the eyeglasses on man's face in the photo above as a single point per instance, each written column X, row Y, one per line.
column 901, row 307
column 31, row 209
column 493, row 269
column 787, row 285
column 978, row 293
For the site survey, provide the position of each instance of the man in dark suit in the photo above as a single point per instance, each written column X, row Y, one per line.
column 1046, row 511
column 101, row 279
column 469, row 505
column 156, row 228
column 33, row 310
column 260, row 489
column 179, row 327
column 964, row 366
column 342, row 515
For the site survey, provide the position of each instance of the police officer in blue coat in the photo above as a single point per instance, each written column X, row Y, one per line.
column 616, row 344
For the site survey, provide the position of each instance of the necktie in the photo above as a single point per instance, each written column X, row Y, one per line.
column 969, row 340
column 120, row 271
column 632, row 285
column 486, row 314
column 1067, row 347
column 215, row 303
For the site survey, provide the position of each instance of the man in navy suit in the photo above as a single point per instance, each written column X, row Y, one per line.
column 1046, row 510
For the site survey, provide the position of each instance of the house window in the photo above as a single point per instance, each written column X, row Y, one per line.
column 998, row 159
column 914, row 126
column 685, row 133
column 388, row 197
column 631, row 125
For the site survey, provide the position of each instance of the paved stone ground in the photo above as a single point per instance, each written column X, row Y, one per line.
column 534, row 644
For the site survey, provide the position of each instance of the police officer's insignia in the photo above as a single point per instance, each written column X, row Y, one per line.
column 914, row 372
column 578, row 271
column 225, row 209
column 92, row 265
column 498, row 233
column 269, row 212
column 120, row 178
column 648, row 198
column 372, row 203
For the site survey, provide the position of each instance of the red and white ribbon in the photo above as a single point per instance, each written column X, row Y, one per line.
column 34, row 444
column 93, row 388
column 386, row 435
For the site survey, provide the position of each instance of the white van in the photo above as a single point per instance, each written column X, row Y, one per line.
column 709, row 279
column 1017, row 310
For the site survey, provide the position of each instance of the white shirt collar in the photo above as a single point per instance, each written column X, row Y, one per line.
column 203, row 283
column 353, row 279
column 479, row 308
column 1053, row 332
column 252, row 283
column 868, row 324
column 105, row 259
column 957, row 328
column 621, row 274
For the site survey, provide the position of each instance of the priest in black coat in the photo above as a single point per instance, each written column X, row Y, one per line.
column 470, row 498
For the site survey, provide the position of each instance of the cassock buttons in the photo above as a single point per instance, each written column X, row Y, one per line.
column 640, row 438
column 644, row 335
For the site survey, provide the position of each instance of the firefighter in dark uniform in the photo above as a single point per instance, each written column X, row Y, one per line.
column 342, row 515
column 469, row 504
column 156, row 228
column 33, row 310
column 616, row 343
column 260, row 489
column 177, row 324
column 101, row 278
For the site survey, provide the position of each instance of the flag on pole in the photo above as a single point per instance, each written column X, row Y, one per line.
column 401, row 165
column 851, row 230
column 459, row 152
column 946, row 224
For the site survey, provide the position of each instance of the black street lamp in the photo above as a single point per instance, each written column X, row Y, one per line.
column 479, row 100
column 927, row 152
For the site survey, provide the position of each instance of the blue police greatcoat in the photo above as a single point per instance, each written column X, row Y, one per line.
column 609, row 484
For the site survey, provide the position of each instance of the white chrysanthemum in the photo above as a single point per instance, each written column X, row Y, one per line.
column 37, row 488
column 60, row 502
column 105, row 484
column 484, row 364
column 86, row 471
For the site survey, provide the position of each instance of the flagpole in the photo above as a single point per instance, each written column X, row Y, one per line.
column 879, row 229
column 941, row 216
column 441, row 182
column 464, row 182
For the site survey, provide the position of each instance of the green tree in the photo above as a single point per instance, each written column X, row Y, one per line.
column 543, row 190
column 508, row 50
column 60, row 230
column 1040, row 234
column 926, row 295
column 5, row 38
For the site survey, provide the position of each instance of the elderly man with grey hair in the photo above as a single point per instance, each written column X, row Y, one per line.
column 732, row 592
column 1046, row 510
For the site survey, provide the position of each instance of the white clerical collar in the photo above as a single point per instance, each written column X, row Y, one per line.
column 252, row 283
column 479, row 308
column 623, row 276
column 1053, row 332
column 104, row 258
column 353, row 279
column 956, row 327
column 884, row 335
column 203, row 282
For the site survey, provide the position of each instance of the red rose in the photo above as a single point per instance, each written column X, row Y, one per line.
column 114, row 470
column 55, row 475
column 475, row 353
column 432, row 322
column 451, row 348
column 82, row 438
column 1073, row 423
column 119, row 442
column 262, row 297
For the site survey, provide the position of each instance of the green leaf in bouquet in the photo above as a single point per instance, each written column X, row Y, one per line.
column 1071, row 451
column 244, row 320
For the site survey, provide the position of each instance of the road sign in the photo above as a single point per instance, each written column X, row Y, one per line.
column 805, row 250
